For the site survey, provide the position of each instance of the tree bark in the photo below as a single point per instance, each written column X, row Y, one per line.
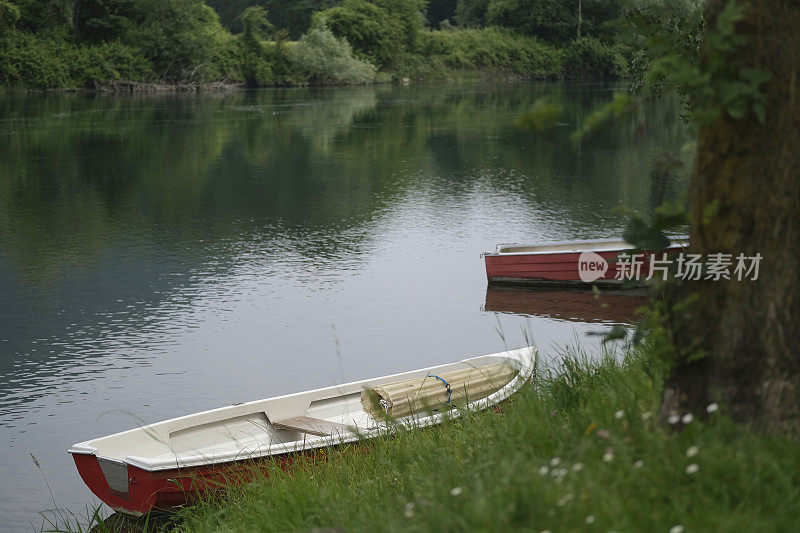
column 749, row 329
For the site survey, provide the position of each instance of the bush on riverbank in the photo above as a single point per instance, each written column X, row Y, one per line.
column 576, row 450
column 375, row 34
column 588, row 57
column 165, row 41
column 321, row 58
column 96, row 43
column 38, row 62
column 491, row 49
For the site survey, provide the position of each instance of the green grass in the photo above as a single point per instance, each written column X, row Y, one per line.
column 579, row 449
column 519, row 469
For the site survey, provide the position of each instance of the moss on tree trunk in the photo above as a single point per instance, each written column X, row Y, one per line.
column 749, row 329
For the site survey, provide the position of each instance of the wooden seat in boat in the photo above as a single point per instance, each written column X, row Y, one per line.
column 313, row 426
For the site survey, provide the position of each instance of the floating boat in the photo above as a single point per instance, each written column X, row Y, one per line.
column 573, row 263
column 171, row 463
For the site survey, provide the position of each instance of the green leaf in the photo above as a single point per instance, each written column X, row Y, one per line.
column 616, row 333
column 755, row 76
column 710, row 211
column 737, row 110
column 644, row 236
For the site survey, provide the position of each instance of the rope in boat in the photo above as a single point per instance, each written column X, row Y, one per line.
column 446, row 384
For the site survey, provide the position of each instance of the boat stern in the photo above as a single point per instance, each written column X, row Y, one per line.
column 117, row 484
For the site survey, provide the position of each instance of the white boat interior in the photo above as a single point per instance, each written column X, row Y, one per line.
column 284, row 424
column 600, row 245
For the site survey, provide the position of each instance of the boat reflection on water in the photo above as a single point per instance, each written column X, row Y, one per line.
column 615, row 307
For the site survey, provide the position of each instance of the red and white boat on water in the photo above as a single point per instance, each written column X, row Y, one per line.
column 572, row 263
column 172, row 463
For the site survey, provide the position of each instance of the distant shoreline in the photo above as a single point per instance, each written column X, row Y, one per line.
column 137, row 87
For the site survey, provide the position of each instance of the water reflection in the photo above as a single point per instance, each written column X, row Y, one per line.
column 618, row 307
column 160, row 255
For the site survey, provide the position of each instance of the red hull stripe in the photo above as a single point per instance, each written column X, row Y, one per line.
column 557, row 267
column 164, row 489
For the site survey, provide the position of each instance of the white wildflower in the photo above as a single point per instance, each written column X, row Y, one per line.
column 408, row 511
column 608, row 457
column 456, row 491
column 687, row 418
column 692, row 468
column 691, row 451
column 676, row 529
column 577, row 467
column 544, row 470
column 639, row 463
column 555, row 461
column 619, row 414
column 673, row 419
column 712, row 408
column 646, row 415
column 590, row 519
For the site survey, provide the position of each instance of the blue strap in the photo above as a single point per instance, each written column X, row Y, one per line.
column 446, row 384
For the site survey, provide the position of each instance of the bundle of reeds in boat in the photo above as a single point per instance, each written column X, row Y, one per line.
column 435, row 392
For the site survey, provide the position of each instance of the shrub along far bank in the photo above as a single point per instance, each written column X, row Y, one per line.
column 182, row 42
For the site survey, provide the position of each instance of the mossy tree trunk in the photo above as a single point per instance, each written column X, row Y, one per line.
column 750, row 330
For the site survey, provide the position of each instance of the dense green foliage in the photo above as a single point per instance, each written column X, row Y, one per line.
column 376, row 35
column 491, row 49
column 588, row 57
column 382, row 31
column 471, row 13
column 293, row 16
column 256, row 68
column 555, row 21
column 91, row 43
column 439, row 11
column 99, row 41
column 324, row 59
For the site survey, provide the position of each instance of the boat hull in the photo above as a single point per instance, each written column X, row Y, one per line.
column 561, row 269
column 163, row 490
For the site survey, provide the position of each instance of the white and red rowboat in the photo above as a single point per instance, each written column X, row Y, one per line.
column 560, row 263
column 171, row 463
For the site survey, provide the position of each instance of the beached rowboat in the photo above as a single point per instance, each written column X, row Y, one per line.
column 572, row 263
column 173, row 462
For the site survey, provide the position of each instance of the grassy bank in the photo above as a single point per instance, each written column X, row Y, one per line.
column 33, row 62
column 578, row 450
column 105, row 45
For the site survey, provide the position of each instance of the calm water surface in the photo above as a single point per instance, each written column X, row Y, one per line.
column 164, row 255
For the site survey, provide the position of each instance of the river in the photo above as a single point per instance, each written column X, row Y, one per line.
column 166, row 254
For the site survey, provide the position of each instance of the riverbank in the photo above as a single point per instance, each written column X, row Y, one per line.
column 184, row 45
column 577, row 450
column 39, row 64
